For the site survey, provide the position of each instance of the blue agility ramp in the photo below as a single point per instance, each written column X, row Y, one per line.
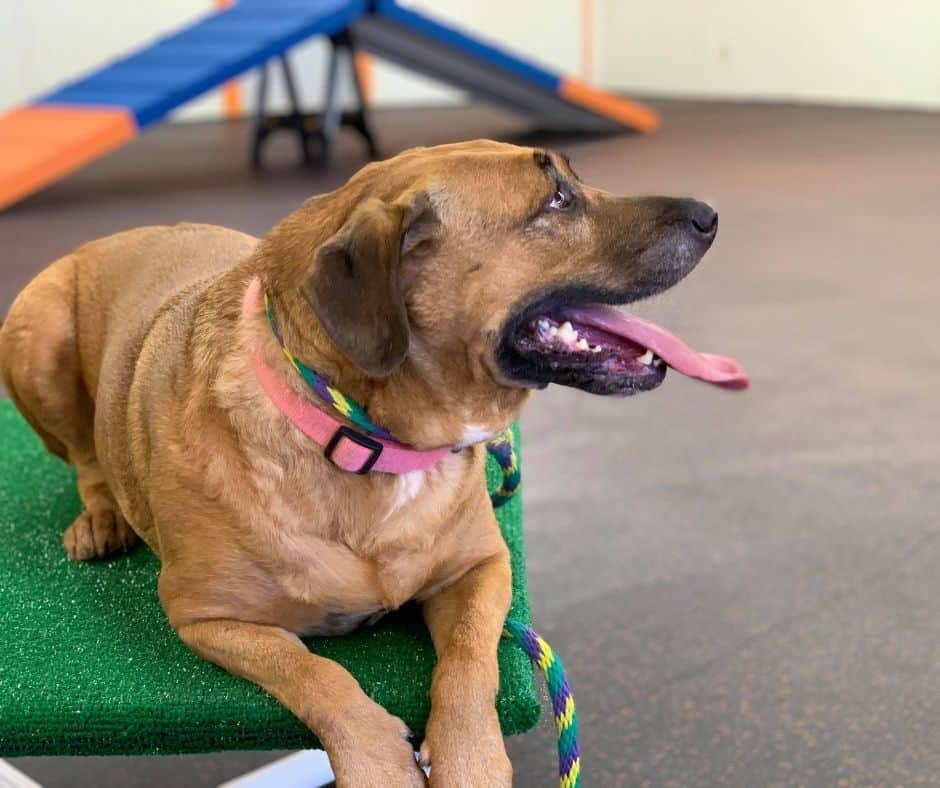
column 158, row 79
column 90, row 116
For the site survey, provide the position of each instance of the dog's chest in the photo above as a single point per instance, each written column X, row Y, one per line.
column 342, row 555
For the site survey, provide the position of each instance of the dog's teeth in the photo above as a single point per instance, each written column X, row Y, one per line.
column 596, row 349
column 567, row 332
column 646, row 358
column 657, row 362
column 582, row 344
column 553, row 331
column 543, row 325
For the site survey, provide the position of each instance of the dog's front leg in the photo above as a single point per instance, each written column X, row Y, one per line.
column 464, row 744
column 368, row 747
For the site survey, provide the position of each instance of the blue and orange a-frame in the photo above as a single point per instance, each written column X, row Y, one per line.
column 101, row 111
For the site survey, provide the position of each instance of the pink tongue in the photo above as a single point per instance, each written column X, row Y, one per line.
column 720, row 370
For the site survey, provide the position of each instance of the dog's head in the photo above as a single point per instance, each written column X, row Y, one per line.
column 482, row 264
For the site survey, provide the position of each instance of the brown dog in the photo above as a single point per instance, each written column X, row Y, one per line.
column 432, row 290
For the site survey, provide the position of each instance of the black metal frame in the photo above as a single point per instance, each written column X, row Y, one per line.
column 320, row 128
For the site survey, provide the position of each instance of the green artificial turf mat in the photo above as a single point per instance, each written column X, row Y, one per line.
column 89, row 665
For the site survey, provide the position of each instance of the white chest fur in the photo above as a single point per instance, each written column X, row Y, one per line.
column 408, row 487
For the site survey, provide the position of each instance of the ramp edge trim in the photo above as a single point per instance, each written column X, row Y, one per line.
column 623, row 110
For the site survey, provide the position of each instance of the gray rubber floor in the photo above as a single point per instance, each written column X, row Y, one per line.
column 744, row 587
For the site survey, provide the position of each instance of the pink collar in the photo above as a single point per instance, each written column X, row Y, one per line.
column 345, row 447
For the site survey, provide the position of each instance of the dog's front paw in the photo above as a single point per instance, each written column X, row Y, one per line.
column 372, row 749
column 466, row 750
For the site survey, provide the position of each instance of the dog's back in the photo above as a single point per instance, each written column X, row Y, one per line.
column 113, row 288
column 124, row 281
column 69, row 345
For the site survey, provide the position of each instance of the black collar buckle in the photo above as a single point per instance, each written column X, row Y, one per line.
column 359, row 439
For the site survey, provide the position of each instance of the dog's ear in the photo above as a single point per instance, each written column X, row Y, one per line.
column 421, row 225
column 354, row 287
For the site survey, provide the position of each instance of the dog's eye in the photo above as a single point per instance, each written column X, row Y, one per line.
column 561, row 199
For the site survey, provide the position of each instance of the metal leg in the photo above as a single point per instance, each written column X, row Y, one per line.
column 14, row 778
column 261, row 129
column 296, row 116
column 361, row 116
column 330, row 121
column 321, row 128
column 304, row 769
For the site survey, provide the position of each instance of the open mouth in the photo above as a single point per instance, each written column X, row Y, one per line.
column 603, row 350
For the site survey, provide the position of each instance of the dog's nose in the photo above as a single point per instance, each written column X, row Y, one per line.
column 704, row 218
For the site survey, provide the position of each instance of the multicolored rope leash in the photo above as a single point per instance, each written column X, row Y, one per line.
column 566, row 717
column 503, row 450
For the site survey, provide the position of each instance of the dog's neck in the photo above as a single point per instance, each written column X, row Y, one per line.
column 423, row 403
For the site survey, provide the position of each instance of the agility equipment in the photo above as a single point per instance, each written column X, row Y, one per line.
column 91, row 116
column 90, row 666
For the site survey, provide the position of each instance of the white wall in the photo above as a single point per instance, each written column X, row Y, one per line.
column 867, row 52
column 881, row 52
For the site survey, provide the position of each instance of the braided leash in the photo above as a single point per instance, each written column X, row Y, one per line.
column 503, row 450
column 566, row 717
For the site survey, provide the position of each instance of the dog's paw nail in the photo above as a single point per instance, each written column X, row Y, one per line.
column 424, row 756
